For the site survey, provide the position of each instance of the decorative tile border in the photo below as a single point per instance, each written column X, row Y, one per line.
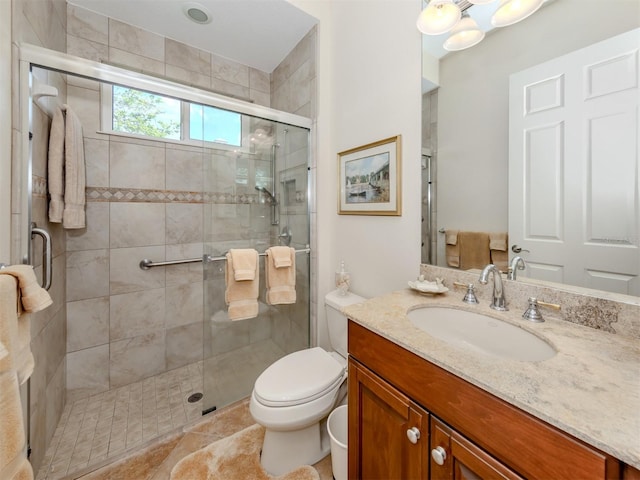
column 106, row 194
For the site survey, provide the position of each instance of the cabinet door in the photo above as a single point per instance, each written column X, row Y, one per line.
column 388, row 434
column 453, row 457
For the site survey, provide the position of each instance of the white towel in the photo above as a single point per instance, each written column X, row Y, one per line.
column 66, row 170
column 74, row 173
column 55, row 167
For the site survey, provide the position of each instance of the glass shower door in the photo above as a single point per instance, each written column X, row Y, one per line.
column 257, row 197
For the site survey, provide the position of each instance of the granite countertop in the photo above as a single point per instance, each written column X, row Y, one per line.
column 589, row 389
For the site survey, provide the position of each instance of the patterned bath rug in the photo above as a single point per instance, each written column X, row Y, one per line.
column 234, row 458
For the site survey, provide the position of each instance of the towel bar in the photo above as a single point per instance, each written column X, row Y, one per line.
column 146, row 264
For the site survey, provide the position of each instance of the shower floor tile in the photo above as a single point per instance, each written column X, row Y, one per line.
column 112, row 424
column 107, row 425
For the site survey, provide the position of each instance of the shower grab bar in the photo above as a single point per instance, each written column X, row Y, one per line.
column 47, row 258
column 146, row 264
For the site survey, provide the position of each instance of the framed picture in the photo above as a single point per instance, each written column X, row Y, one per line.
column 369, row 179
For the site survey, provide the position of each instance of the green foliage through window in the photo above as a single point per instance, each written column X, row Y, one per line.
column 143, row 113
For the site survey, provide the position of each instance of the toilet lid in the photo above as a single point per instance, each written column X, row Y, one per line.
column 298, row 378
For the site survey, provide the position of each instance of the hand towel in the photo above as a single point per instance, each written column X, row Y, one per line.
column 281, row 282
column 74, row 173
column 15, row 331
column 33, row 297
column 452, row 249
column 55, row 167
column 281, row 256
column 240, row 296
column 498, row 243
column 245, row 262
column 474, row 250
column 13, row 459
column 14, row 339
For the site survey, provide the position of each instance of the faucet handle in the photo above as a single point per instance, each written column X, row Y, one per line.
column 532, row 313
column 470, row 296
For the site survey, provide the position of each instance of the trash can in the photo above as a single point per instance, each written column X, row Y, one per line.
column 337, row 427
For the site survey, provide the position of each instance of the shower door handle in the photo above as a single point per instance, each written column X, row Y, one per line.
column 47, row 258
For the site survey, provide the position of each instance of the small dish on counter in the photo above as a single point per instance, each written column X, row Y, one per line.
column 424, row 286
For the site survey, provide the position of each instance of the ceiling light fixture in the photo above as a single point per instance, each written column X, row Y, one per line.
column 196, row 13
column 441, row 16
column 512, row 11
column 464, row 35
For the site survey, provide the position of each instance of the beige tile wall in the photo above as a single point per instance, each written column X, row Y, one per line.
column 151, row 320
column 96, row 37
column 95, row 264
column 42, row 23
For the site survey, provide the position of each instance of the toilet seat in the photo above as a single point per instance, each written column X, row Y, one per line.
column 298, row 378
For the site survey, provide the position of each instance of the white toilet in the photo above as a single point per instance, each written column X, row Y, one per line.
column 293, row 397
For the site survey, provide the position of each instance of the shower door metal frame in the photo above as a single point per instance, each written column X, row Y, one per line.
column 34, row 56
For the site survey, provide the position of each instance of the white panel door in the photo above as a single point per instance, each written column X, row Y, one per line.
column 574, row 204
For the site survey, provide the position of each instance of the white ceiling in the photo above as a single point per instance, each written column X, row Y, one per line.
column 258, row 33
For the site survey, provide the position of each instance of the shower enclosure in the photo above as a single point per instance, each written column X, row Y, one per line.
column 272, row 209
column 207, row 174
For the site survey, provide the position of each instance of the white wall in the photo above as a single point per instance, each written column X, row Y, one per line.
column 473, row 104
column 5, row 132
column 369, row 75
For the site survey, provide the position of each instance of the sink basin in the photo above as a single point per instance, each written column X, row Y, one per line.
column 481, row 333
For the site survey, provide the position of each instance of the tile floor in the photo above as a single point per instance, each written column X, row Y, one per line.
column 110, row 425
column 156, row 461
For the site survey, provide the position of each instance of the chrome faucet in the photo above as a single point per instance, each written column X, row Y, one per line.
column 498, row 301
column 517, row 263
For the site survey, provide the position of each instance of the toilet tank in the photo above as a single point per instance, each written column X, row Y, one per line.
column 336, row 321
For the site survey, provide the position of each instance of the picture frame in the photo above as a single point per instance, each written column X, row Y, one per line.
column 370, row 180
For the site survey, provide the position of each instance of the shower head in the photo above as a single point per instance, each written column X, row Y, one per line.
column 268, row 193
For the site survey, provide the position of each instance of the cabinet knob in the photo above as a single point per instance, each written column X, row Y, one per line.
column 413, row 434
column 439, row 455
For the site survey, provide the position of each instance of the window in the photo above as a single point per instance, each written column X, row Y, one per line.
column 143, row 113
column 214, row 125
column 137, row 112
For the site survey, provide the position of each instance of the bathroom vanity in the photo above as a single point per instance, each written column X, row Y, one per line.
column 421, row 408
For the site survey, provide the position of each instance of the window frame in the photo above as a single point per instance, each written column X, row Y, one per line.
column 106, row 123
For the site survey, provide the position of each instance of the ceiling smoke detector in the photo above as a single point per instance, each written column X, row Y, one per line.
column 196, row 13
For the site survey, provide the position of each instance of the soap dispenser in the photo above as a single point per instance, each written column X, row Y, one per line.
column 343, row 279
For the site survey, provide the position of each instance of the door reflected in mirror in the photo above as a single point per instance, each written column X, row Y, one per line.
column 466, row 129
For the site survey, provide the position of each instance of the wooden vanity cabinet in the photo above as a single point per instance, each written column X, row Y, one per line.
column 460, row 459
column 392, row 390
column 389, row 433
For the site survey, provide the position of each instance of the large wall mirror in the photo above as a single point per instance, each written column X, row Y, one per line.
column 466, row 125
